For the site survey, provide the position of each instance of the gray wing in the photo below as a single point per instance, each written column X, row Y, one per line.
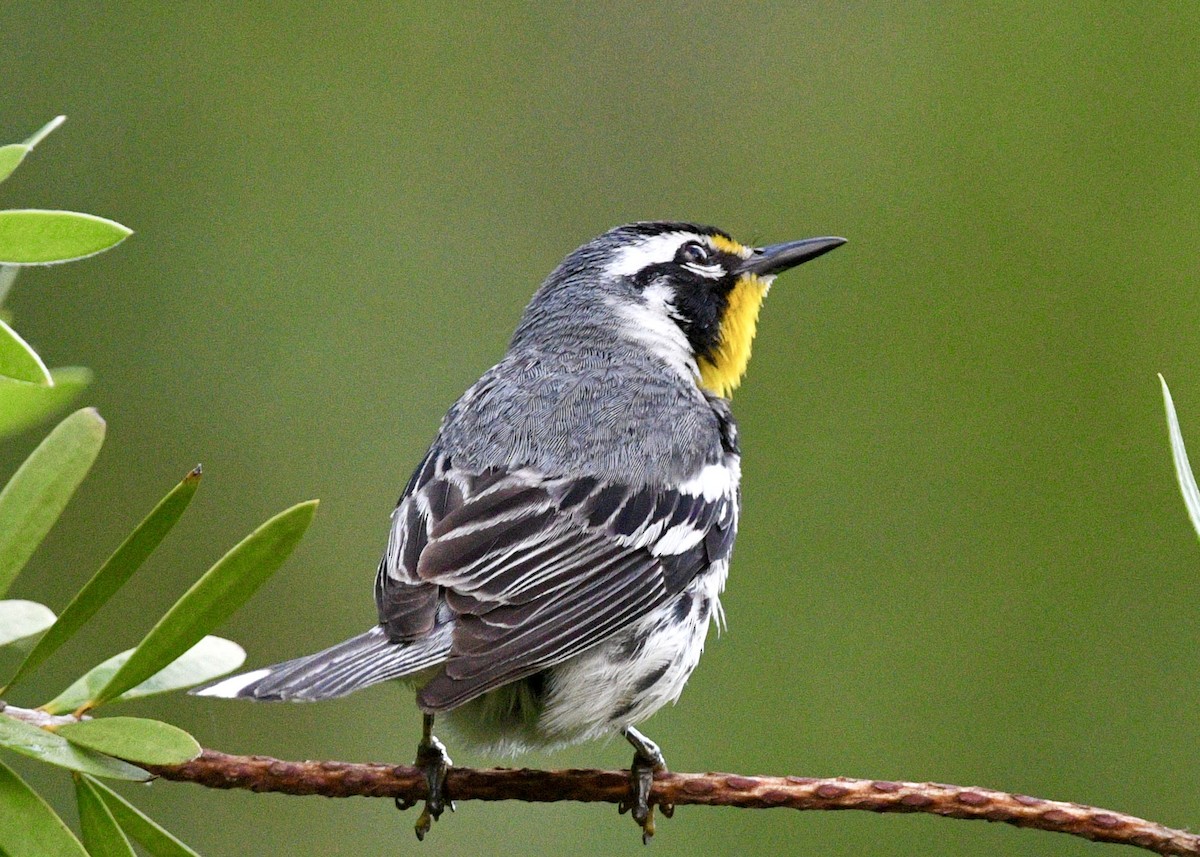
column 535, row 569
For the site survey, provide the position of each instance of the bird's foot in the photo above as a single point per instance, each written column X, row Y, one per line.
column 435, row 763
column 647, row 760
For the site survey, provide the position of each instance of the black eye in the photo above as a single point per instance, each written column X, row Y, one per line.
column 693, row 252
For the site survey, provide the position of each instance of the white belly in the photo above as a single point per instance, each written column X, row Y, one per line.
column 626, row 679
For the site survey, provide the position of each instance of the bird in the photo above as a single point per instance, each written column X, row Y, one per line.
column 554, row 564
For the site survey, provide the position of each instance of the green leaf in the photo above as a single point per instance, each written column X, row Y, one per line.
column 12, row 154
column 117, row 569
column 18, row 360
column 23, row 404
column 37, row 493
column 28, row 826
column 45, row 746
column 135, row 739
column 45, row 131
column 208, row 659
column 11, row 157
column 33, row 236
column 151, row 836
column 20, row 620
column 222, row 590
column 86, row 686
column 1183, row 470
column 102, row 835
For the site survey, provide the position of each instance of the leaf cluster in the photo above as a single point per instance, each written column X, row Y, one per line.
column 178, row 652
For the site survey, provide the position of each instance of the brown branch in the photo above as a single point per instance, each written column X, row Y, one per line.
column 343, row 779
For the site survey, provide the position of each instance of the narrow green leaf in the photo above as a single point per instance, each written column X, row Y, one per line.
column 86, row 686
column 28, row 826
column 1183, row 470
column 11, row 157
column 44, row 132
column 102, row 835
column 135, row 739
column 45, row 746
column 208, row 659
column 157, row 841
column 37, row 493
column 23, row 404
column 18, row 360
column 117, row 569
column 219, row 592
column 20, row 620
column 33, row 236
column 12, row 154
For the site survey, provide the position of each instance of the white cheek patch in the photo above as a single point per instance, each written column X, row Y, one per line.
column 660, row 301
column 651, row 322
column 652, row 251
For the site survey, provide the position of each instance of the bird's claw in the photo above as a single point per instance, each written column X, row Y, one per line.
column 647, row 761
column 435, row 763
column 641, row 780
column 424, row 822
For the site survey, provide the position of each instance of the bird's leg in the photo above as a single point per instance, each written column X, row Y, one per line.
column 647, row 759
column 432, row 759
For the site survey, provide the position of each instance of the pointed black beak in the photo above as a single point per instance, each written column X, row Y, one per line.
column 776, row 258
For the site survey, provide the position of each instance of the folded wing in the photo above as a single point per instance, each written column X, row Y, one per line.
column 534, row 569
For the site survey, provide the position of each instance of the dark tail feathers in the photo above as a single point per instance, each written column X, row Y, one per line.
column 349, row 666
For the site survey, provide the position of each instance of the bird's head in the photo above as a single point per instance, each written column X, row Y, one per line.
column 690, row 294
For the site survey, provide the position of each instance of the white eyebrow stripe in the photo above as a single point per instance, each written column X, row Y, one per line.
column 651, row 251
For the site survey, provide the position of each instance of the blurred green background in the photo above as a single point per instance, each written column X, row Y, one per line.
column 963, row 554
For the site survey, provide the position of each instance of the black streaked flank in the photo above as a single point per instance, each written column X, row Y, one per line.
column 651, row 678
column 683, row 606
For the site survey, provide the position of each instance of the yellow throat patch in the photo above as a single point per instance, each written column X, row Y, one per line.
column 723, row 371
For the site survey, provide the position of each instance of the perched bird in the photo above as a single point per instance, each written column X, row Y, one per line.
column 554, row 563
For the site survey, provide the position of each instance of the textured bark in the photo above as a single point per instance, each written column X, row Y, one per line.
column 343, row 779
